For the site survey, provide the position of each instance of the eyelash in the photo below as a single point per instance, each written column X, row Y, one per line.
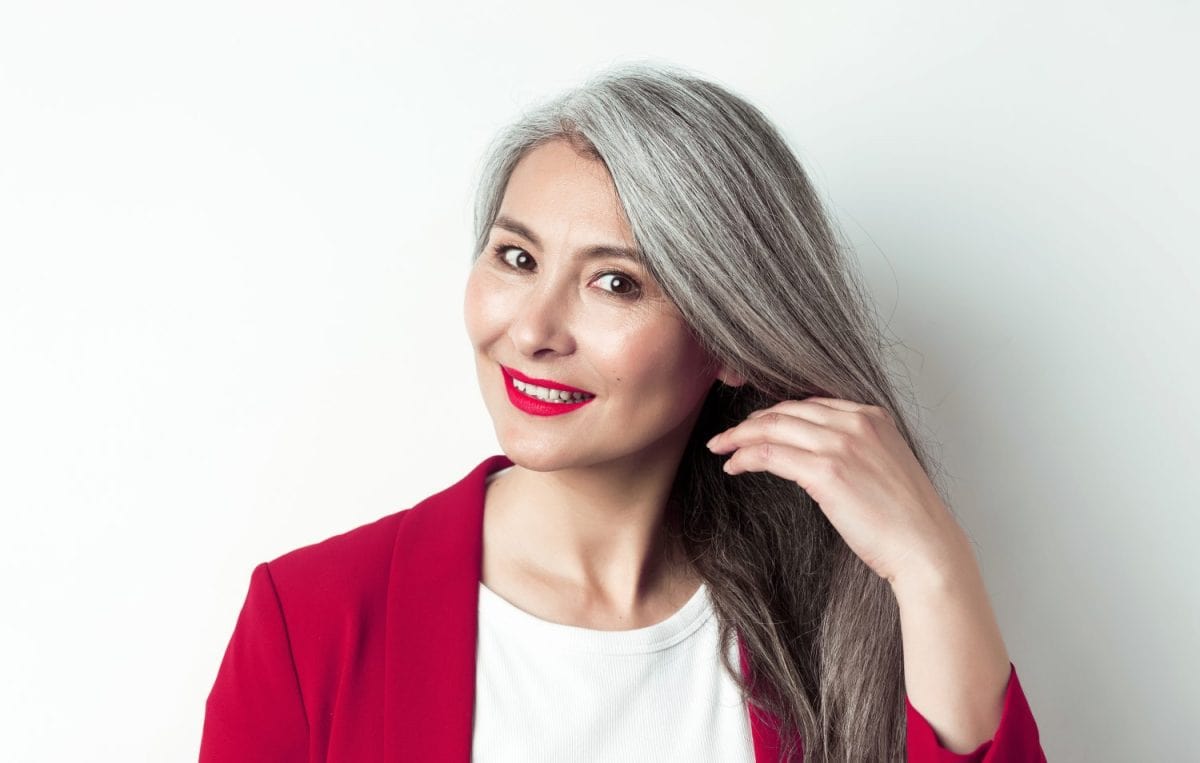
column 499, row 250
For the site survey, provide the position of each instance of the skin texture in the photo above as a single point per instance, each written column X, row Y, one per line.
column 573, row 533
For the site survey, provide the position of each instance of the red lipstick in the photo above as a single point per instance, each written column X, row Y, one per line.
column 534, row 406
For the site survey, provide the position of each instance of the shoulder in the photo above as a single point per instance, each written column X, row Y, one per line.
column 349, row 569
column 310, row 616
column 348, row 575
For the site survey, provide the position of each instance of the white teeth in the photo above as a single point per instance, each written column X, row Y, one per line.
column 550, row 395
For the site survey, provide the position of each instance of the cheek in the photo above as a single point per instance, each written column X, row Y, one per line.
column 481, row 310
column 663, row 360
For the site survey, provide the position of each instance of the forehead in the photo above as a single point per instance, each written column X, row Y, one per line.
column 564, row 196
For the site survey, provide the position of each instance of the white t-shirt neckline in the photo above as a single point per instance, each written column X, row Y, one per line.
column 560, row 637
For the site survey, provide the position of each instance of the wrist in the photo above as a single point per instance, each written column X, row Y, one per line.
column 952, row 568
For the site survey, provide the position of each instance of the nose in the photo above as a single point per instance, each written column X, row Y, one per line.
column 541, row 322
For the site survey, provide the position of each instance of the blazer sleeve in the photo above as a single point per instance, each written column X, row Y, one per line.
column 255, row 711
column 1015, row 740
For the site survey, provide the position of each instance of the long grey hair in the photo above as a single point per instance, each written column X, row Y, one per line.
column 732, row 230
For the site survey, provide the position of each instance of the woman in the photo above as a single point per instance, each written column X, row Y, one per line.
column 696, row 421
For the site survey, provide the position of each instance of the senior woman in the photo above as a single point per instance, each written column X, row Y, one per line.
column 711, row 534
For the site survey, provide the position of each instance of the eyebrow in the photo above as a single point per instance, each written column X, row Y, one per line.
column 596, row 250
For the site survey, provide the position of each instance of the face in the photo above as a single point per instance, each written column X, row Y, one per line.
column 550, row 298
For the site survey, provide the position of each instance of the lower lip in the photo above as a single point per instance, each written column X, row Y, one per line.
column 537, row 407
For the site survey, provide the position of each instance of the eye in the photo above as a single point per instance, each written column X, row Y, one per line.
column 622, row 285
column 619, row 284
column 501, row 252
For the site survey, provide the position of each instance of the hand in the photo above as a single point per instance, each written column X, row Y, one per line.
column 855, row 464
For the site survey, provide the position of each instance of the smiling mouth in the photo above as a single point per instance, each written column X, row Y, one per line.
column 538, row 400
column 546, row 390
column 549, row 395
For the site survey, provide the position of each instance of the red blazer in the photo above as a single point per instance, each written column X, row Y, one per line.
column 362, row 648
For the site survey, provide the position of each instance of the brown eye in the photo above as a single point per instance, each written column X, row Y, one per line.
column 522, row 257
column 621, row 284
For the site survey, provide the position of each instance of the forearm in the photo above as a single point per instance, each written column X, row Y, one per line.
column 956, row 666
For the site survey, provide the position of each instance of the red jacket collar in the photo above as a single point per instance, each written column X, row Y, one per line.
column 432, row 619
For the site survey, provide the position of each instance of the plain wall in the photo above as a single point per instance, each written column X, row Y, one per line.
column 233, row 243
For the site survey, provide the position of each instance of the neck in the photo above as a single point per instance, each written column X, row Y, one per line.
column 600, row 532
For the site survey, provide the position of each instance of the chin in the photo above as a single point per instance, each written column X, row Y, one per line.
column 539, row 456
column 548, row 455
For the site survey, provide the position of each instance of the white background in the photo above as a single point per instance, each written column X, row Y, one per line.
column 234, row 238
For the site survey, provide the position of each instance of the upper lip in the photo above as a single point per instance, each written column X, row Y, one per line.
column 547, row 383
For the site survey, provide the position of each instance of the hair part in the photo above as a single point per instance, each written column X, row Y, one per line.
column 732, row 230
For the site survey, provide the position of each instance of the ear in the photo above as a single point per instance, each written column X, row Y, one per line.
column 730, row 378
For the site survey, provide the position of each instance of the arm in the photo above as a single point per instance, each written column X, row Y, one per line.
column 254, row 711
column 964, row 703
column 855, row 463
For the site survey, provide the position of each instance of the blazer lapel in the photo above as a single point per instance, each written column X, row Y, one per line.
column 432, row 624
column 432, row 620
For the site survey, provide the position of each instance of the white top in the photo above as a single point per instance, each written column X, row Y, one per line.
column 551, row 692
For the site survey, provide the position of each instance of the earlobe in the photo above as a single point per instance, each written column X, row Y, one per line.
column 730, row 378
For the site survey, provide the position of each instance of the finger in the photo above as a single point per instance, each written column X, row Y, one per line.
column 820, row 414
column 835, row 402
column 851, row 406
column 775, row 426
column 809, row 470
column 845, row 415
